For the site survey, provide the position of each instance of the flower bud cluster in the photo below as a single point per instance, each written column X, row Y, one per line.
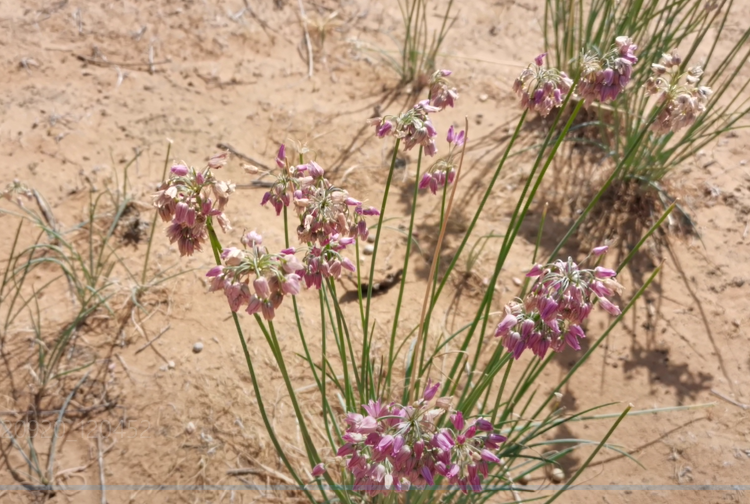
column 604, row 77
column 329, row 218
column 680, row 96
column 444, row 171
column 414, row 126
column 441, row 93
column 394, row 447
column 542, row 89
column 254, row 278
column 188, row 198
column 552, row 313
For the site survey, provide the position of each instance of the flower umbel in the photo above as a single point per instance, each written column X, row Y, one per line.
column 604, row 76
column 394, row 447
column 443, row 172
column 254, row 278
column 679, row 93
column 441, row 93
column 414, row 127
column 186, row 200
column 329, row 219
column 541, row 89
column 552, row 313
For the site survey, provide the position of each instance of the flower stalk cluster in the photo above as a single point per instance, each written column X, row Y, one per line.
column 414, row 126
column 329, row 218
column 442, row 94
column 272, row 276
column 188, row 199
column 680, row 96
column 541, row 89
column 553, row 312
column 604, row 76
column 394, row 447
column 443, row 172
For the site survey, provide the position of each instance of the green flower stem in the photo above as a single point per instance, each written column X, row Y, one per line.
column 216, row 248
column 402, row 284
column 366, row 323
column 434, row 283
column 326, row 407
column 484, row 200
column 341, row 346
column 344, row 332
column 513, row 227
column 591, row 457
column 153, row 221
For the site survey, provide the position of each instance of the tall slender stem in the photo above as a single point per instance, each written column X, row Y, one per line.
column 405, row 269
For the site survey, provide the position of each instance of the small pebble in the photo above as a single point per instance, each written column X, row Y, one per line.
column 738, row 281
column 523, row 479
column 483, row 97
column 368, row 250
column 190, row 427
column 371, row 237
column 198, row 347
column 736, row 323
column 516, row 280
column 743, row 162
column 557, row 475
column 171, row 364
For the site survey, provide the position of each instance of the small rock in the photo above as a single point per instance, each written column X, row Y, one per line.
column 190, row 427
column 198, row 347
column 171, row 364
column 371, row 237
column 517, row 281
column 368, row 250
column 743, row 162
column 738, row 281
column 557, row 475
column 736, row 323
column 523, row 479
column 483, row 97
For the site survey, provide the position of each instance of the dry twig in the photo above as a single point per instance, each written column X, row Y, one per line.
column 260, row 21
column 154, row 339
column 730, row 400
column 235, row 152
column 303, row 21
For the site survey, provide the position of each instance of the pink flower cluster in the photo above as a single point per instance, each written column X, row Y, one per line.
column 444, row 171
column 552, row 313
column 188, row 198
column 414, row 126
column 441, row 93
column 395, row 447
column 681, row 102
column 272, row 276
column 542, row 89
column 329, row 218
column 604, row 77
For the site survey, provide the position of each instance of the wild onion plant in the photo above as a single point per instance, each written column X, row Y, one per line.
column 690, row 97
column 418, row 51
column 463, row 431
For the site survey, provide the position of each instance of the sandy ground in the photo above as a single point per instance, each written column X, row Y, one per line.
column 86, row 85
